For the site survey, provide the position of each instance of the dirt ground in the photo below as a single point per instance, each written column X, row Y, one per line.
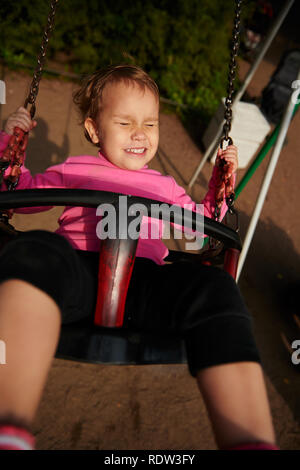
column 88, row 406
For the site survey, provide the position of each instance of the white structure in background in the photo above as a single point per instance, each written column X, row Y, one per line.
column 2, row 92
column 249, row 130
column 284, row 126
column 2, row 352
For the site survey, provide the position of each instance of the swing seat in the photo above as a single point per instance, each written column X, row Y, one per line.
column 87, row 342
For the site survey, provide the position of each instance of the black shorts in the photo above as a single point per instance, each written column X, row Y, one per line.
column 201, row 303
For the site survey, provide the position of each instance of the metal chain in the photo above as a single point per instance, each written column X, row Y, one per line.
column 235, row 42
column 232, row 71
column 14, row 153
column 223, row 182
column 41, row 60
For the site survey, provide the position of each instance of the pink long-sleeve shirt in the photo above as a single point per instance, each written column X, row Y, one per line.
column 78, row 224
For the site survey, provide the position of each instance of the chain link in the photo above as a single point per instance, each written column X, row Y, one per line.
column 224, row 186
column 232, row 69
column 41, row 60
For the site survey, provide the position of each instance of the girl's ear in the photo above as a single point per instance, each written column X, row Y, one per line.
column 91, row 129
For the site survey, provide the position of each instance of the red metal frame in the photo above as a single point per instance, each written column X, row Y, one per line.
column 115, row 268
column 231, row 260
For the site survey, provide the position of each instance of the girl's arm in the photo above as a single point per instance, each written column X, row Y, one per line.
column 53, row 177
column 207, row 206
column 181, row 198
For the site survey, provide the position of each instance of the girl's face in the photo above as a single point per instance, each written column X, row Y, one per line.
column 127, row 127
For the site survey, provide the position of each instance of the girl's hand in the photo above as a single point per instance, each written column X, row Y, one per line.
column 20, row 118
column 230, row 155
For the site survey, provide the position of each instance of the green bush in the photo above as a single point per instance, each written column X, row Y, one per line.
column 183, row 44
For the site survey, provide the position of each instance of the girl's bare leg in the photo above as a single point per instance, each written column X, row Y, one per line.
column 29, row 326
column 237, row 403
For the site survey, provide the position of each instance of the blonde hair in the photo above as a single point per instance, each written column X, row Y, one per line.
column 88, row 96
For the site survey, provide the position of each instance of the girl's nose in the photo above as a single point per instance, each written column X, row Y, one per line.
column 138, row 134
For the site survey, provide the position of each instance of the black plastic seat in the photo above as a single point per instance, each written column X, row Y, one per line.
column 86, row 342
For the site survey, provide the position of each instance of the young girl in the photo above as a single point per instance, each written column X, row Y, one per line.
column 55, row 274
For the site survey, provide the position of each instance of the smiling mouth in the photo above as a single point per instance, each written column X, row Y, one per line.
column 136, row 150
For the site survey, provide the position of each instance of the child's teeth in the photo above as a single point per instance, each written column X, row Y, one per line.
column 135, row 150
